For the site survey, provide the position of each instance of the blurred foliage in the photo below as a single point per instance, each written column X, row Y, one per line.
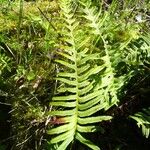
column 26, row 69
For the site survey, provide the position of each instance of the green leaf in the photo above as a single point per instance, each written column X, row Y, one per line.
column 62, row 128
column 66, row 56
column 63, row 74
column 86, row 142
column 90, row 72
column 143, row 121
column 62, row 136
column 64, row 104
column 67, row 81
column 90, row 96
column 90, row 120
column 86, row 128
column 66, row 64
column 86, row 89
column 63, row 112
column 91, row 103
column 83, row 68
column 64, row 98
column 87, row 58
column 65, row 143
column 83, row 84
column 92, row 110
column 66, row 89
column 89, row 128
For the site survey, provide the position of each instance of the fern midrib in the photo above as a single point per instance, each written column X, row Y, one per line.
column 76, row 72
column 77, row 89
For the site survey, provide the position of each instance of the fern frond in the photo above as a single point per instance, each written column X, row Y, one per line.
column 97, row 22
column 76, row 110
column 143, row 121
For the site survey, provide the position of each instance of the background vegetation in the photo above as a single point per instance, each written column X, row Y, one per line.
column 32, row 35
